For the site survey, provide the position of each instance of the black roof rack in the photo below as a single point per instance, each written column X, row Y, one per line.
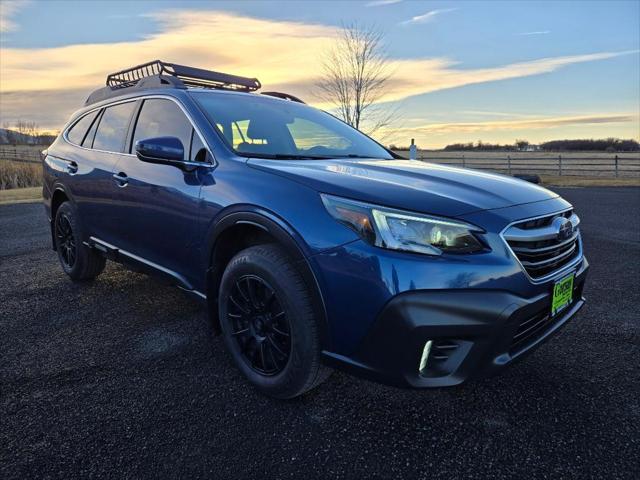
column 158, row 74
column 190, row 76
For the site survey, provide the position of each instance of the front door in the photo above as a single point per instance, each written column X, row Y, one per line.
column 157, row 205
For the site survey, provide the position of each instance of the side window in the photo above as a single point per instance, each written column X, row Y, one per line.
column 77, row 133
column 88, row 138
column 162, row 118
column 113, row 126
column 196, row 148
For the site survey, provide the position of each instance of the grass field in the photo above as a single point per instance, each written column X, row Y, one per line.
column 588, row 181
column 21, row 195
column 19, row 175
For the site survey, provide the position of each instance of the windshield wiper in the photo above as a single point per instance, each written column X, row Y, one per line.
column 352, row 155
column 285, row 156
column 293, row 156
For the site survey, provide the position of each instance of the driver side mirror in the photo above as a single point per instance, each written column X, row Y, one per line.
column 162, row 150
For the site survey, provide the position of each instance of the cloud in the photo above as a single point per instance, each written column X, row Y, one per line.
column 427, row 17
column 277, row 52
column 419, row 76
column 486, row 113
column 511, row 125
column 539, row 129
column 379, row 3
column 219, row 41
column 50, row 109
column 540, row 32
column 8, row 8
column 284, row 55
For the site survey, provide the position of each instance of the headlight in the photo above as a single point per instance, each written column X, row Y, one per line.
column 399, row 230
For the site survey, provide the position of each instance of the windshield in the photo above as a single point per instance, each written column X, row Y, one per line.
column 258, row 126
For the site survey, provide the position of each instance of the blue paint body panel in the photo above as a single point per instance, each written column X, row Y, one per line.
column 169, row 217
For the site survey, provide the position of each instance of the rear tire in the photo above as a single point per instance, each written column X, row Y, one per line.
column 269, row 324
column 78, row 261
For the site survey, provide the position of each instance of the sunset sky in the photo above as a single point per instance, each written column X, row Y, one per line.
column 464, row 71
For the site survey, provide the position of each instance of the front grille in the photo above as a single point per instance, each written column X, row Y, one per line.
column 535, row 326
column 541, row 247
column 530, row 329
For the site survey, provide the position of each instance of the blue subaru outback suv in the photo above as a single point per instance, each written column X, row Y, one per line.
column 312, row 246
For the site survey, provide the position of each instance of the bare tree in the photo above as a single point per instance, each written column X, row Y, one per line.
column 11, row 135
column 29, row 130
column 354, row 76
column 26, row 132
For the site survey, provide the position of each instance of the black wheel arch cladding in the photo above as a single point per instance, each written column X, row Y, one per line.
column 283, row 236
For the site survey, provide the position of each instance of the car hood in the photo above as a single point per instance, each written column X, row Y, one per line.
column 408, row 184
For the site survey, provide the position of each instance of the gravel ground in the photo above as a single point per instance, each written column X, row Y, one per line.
column 123, row 378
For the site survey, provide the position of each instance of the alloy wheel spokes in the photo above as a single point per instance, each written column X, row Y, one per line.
column 259, row 325
column 65, row 240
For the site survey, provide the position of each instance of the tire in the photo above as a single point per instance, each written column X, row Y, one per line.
column 77, row 260
column 269, row 324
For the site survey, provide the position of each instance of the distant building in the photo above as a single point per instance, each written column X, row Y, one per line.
column 531, row 148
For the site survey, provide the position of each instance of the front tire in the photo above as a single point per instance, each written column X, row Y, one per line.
column 269, row 324
column 77, row 260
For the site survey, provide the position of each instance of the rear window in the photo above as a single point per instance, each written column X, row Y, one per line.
column 112, row 130
column 77, row 133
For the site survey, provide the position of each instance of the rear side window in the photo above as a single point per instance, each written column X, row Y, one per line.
column 77, row 133
column 163, row 118
column 113, row 126
column 88, row 138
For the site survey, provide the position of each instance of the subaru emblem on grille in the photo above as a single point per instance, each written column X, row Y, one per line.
column 565, row 228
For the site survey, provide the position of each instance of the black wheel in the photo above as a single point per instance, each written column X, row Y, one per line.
column 77, row 260
column 259, row 325
column 269, row 324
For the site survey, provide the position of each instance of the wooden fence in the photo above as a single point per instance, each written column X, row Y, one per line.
column 573, row 164
column 591, row 164
column 20, row 153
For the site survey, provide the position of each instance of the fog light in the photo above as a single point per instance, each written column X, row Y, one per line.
column 425, row 356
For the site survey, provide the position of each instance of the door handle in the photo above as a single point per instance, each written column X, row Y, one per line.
column 121, row 179
column 72, row 167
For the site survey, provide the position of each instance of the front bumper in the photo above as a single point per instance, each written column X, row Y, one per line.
column 473, row 333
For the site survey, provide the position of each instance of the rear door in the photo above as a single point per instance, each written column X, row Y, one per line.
column 157, row 205
column 95, row 145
